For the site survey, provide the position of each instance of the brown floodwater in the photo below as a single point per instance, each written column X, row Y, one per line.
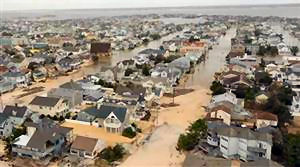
column 215, row 61
column 203, row 72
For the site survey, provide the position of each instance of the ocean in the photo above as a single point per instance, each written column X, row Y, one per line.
column 290, row 11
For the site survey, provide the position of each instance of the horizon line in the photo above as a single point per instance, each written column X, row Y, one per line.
column 187, row 6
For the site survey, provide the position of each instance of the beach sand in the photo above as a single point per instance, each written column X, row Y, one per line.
column 160, row 150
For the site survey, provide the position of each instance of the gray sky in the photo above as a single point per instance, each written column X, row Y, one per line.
column 83, row 4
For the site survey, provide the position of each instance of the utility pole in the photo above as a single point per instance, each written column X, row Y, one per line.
column 1, row 103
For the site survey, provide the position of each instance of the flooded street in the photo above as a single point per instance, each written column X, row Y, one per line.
column 215, row 61
column 171, row 122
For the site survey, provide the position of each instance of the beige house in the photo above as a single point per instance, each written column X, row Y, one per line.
column 264, row 119
column 87, row 147
column 221, row 113
column 49, row 105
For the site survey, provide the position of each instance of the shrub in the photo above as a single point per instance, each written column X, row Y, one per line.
column 128, row 132
column 112, row 154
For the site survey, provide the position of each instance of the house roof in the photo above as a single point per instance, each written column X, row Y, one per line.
column 3, row 118
column 266, row 116
column 105, row 109
column 44, row 101
column 244, row 133
column 134, row 90
column 15, row 111
column 99, row 47
column 71, row 85
column 84, row 143
column 47, row 132
column 261, row 162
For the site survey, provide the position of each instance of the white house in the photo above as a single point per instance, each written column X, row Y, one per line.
column 293, row 77
column 5, row 126
column 295, row 107
column 17, row 114
column 49, row 105
column 228, row 96
column 244, row 144
column 87, row 147
column 283, row 49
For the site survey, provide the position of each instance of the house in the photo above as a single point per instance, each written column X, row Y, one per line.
column 113, row 118
column 243, row 143
column 276, row 72
column 228, row 96
column 261, row 98
column 295, row 107
column 72, row 97
column 49, row 105
column 107, row 74
column 293, row 77
column 265, row 119
column 182, row 63
column 17, row 114
column 6, row 86
column 39, row 76
column 229, row 113
column 283, row 49
column 262, row 163
column 87, row 147
column 6, row 126
column 101, row 49
column 234, row 79
column 42, row 140
column 195, row 46
column 17, row 78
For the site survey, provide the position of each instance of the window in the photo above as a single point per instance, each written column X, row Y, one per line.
column 223, row 147
column 223, row 138
column 41, row 107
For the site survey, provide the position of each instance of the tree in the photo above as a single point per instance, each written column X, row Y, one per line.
column 250, row 94
column 186, row 142
column 112, row 154
column 129, row 132
column 195, row 132
column 155, row 36
column 128, row 72
column 240, row 92
column 217, row 88
column 294, row 50
column 199, row 127
column 146, row 70
column 292, row 150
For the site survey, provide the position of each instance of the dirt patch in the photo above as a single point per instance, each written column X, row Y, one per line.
column 31, row 91
column 99, row 133
column 179, row 92
column 168, row 105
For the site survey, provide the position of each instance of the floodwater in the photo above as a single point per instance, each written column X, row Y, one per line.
column 204, row 72
column 277, row 10
column 214, row 62
column 118, row 56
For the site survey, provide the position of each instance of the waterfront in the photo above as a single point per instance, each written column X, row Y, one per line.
column 277, row 10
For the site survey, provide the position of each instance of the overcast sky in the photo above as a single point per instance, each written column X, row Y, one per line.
column 83, row 4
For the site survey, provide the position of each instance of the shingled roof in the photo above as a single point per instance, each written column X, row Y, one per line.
column 15, row 111
column 105, row 109
column 100, row 47
column 44, row 101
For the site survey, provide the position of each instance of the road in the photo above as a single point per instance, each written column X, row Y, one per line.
column 160, row 150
